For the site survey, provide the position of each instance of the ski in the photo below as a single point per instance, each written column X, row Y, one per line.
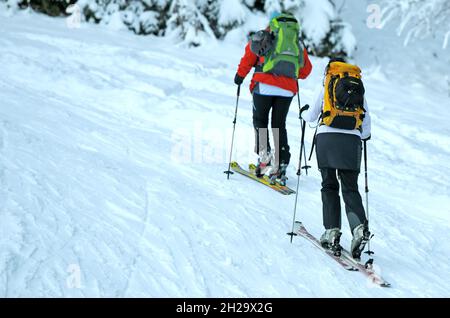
column 301, row 231
column 345, row 260
column 277, row 181
column 264, row 180
column 366, row 269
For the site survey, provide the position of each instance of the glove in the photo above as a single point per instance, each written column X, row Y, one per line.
column 306, row 107
column 367, row 139
column 238, row 80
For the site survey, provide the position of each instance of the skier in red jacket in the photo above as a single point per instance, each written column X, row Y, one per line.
column 274, row 92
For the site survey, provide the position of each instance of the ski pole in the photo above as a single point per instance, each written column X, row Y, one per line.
column 302, row 122
column 306, row 166
column 302, row 140
column 367, row 193
column 301, row 137
column 228, row 172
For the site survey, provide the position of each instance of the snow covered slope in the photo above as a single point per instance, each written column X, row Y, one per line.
column 112, row 151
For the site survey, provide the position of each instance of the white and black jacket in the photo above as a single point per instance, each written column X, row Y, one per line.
column 313, row 113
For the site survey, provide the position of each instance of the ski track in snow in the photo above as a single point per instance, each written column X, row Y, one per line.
column 89, row 120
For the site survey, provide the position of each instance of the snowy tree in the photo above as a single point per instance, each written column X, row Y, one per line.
column 272, row 6
column 133, row 13
column 254, row 5
column 291, row 5
column 232, row 13
column 198, row 21
column 12, row 4
column 100, row 10
column 323, row 31
column 420, row 18
column 187, row 23
column 146, row 17
column 210, row 9
column 142, row 17
column 50, row 7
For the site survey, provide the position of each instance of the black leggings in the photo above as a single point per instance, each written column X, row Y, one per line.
column 280, row 108
column 331, row 200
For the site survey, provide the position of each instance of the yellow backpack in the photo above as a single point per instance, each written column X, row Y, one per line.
column 343, row 105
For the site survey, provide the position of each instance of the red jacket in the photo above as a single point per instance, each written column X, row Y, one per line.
column 250, row 59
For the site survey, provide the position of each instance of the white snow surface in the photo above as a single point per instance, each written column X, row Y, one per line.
column 112, row 151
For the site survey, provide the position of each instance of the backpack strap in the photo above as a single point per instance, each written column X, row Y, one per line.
column 314, row 138
column 330, row 88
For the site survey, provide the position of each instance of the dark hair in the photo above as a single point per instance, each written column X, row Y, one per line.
column 336, row 59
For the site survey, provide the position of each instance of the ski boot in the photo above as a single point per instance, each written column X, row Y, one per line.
column 264, row 163
column 361, row 236
column 279, row 175
column 331, row 240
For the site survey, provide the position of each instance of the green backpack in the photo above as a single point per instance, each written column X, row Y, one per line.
column 286, row 56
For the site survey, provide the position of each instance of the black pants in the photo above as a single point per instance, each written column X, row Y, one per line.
column 331, row 200
column 280, row 108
